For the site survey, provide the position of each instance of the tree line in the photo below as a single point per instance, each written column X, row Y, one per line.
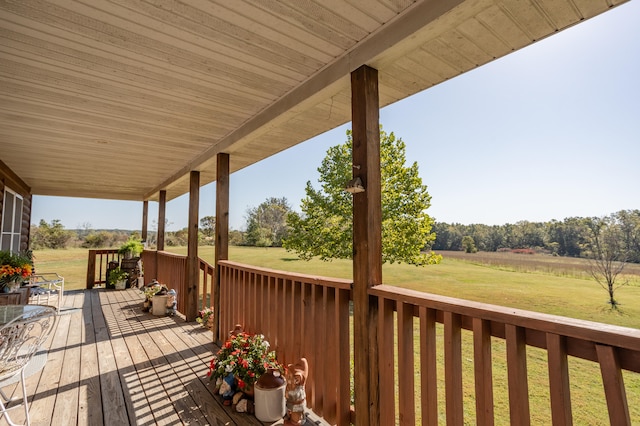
column 570, row 237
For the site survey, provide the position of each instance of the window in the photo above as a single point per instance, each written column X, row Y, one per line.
column 11, row 221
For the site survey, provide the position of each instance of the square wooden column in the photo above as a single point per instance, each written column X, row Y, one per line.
column 222, row 233
column 145, row 216
column 193, row 262
column 367, row 241
column 162, row 207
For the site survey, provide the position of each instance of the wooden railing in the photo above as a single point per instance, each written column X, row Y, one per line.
column 300, row 315
column 167, row 268
column 207, row 281
column 97, row 265
column 303, row 315
column 416, row 314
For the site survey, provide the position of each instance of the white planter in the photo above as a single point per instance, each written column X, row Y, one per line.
column 159, row 305
column 121, row 284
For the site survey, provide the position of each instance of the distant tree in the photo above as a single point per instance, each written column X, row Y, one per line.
column 178, row 238
column 567, row 237
column 208, row 226
column 267, row 223
column 630, row 226
column 468, row 244
column 208, row 230
column 96, row 240
column 84, row 230
column 236, row 238
column 528, row 234
column 325, row 227
column 607, row 254
column 52, row 236
column 448, row 237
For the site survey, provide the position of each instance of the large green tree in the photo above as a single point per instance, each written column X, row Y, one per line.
column 325, row 226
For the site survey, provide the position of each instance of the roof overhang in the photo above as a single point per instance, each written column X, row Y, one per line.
column 122, row 99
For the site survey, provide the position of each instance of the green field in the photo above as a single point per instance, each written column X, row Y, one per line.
column 509, row 283
column 538, row 283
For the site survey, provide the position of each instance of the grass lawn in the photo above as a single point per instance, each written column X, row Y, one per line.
column 572, row 296
column 542, row 289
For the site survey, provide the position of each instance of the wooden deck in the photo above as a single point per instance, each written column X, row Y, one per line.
column 111, row 364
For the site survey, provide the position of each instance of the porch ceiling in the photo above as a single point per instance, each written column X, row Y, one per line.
column 122, row 98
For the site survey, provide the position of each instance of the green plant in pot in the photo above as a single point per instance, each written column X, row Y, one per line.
column 118, row 278
column 132, row 248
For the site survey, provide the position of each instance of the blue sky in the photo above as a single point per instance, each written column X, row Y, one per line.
column 548, row 132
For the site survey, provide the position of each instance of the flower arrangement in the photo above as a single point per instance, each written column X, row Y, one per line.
column 204, row 315
column 152, row 289
column 246, row 357
column 14, row 268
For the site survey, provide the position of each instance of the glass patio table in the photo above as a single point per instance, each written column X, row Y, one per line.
column 10, row 312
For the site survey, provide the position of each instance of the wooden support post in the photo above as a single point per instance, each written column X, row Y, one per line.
column 162, row 205
column 222, row 234
column 145, row 216
column 367, row 245
column 193, row 263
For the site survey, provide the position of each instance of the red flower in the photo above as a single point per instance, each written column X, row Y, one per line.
column 241, row 383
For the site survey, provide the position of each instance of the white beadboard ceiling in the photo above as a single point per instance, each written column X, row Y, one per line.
column 120, row 99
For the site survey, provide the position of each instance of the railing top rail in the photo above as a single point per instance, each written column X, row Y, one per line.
column 340, row 283
column 168, row 254
column 606, row 334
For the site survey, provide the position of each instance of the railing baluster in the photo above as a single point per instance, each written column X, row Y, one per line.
column 613, row 386
column 453, row 368
column 344, row 390
column 517, row 375
column 483, row 371
column 406, row 368
column 428, row 361
column 386, row 362
column 318, row 314
column 330, row 380
column 309, row 341
column 559, row 389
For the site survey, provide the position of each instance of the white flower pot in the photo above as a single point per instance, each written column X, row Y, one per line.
column 159, row 305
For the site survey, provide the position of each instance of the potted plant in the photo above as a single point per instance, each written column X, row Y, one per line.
column 131, row 248
column 240, row 363
column 118, row 278
column 14, row 269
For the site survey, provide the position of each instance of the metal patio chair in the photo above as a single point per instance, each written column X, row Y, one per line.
column 21, row 353
column 44, row 287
